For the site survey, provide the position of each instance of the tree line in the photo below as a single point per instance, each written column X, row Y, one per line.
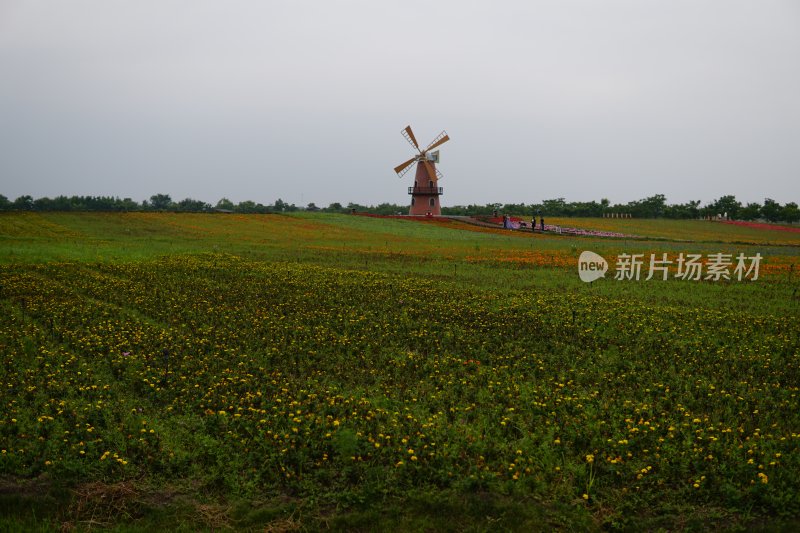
column 652, row 207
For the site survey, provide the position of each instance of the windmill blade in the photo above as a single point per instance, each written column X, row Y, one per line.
column 438, row 141
column 429, row 168
column 404, row 171
column 409, row 135
column 402, row 168
column 438, row 174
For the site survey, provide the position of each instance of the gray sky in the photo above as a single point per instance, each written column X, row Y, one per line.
column 305, row 100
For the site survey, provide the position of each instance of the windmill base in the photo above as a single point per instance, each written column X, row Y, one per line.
column 425, row 205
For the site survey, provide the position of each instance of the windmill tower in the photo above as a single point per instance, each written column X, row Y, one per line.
column 426, row 191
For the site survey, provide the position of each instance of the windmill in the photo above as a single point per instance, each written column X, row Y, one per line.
column 426, row 191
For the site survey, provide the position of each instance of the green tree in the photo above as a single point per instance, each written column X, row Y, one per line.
column 387, row 209
column 129, row 205
column 225, row 204
column 161, row 202
column 554, row 208
column 726, row 204
column 790, row 213
column 771, row 210
column 751, row 211
column 651, row 207
column 688, row 210
column 248, row 206
column 188, row 204
column 24, row 203
column 43, row 204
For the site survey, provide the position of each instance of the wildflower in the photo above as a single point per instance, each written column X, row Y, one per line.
column 590, row 458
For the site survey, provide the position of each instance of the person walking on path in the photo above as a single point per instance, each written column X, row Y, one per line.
column 541, row 220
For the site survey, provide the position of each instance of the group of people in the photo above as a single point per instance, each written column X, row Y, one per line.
column 507, row 223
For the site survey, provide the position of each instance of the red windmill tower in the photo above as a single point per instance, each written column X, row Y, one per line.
column 426, row 191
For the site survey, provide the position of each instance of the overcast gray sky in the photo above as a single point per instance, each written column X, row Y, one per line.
column 305, row 100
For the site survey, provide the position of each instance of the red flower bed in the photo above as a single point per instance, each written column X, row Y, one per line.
column 762, row 225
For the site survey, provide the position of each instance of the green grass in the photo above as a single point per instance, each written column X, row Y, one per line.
column 352, row 373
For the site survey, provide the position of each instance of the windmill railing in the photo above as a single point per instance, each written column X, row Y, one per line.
column 426, row 190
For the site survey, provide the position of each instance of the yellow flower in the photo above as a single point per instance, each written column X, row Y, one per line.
column 590, row 458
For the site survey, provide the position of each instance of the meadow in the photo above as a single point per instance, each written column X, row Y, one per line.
column 320, row 371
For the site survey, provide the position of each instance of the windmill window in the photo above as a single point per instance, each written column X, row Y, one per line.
column 432, row 202
column 430, row 184
column 412, row 200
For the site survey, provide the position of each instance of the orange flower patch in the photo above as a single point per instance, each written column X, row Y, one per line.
column 553, row 259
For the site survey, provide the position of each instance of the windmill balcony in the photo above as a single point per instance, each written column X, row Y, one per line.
column 426, row 190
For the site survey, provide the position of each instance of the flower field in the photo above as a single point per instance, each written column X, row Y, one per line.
column 312, row 375
column 689, row 230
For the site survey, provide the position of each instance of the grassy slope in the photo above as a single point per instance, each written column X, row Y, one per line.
column 32, row 237
column 458, row 255
column 446, row 250
column 682, row 230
